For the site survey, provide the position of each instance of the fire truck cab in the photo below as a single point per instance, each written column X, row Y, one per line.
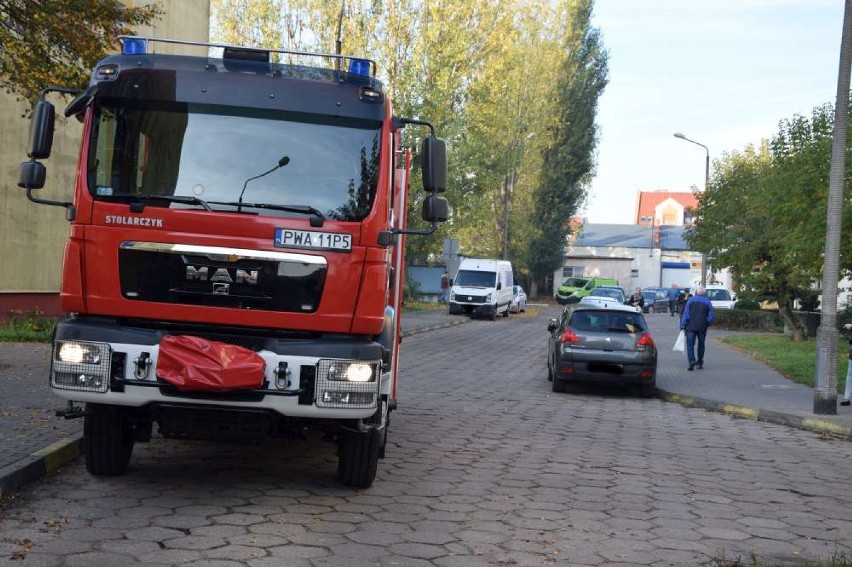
column 235, row 256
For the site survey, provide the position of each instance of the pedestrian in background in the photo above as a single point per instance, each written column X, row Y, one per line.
column 847, row 395
column 637, row 299
column 445, row 287
column 674, row 293
column 697, row 316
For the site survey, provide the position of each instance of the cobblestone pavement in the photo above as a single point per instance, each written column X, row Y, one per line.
column 485, row 466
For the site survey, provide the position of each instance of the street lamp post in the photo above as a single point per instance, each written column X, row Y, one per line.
column 650, row 248
column 706, row 186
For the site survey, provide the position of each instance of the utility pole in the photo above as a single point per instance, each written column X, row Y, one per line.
column 825, row 383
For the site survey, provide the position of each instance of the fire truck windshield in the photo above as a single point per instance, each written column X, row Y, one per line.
column 207, row 153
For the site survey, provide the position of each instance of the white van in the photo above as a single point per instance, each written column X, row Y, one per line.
column 482, row 287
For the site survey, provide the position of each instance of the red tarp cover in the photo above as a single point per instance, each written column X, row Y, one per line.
column 193, row 364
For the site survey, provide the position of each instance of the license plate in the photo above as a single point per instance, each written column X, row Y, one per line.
column 313, row 240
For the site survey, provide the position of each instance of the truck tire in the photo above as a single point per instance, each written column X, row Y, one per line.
column 107, row 440
column 358, row 458
column 493, row 315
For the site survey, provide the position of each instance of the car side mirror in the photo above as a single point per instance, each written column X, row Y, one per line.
column 551, row 326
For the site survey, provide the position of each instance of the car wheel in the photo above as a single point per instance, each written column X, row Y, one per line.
column 558, row 386
column 648, row 390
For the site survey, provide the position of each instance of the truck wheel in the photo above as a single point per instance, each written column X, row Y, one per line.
column 358, row 458
column 107, row 440
column 493, row 316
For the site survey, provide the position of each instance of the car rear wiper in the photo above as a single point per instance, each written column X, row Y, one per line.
column 304, row 209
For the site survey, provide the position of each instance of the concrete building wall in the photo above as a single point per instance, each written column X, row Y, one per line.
column 32, row 236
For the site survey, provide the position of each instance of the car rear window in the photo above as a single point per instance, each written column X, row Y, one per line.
column 607, row 321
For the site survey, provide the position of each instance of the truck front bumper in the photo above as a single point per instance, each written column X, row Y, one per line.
column 105, row 361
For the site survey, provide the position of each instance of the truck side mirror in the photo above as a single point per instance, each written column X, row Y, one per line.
column 31, row 175
column 41, row 130
column 434, row 164
column 435, row 209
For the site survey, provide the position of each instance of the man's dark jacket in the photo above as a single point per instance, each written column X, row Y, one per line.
column 698, row 314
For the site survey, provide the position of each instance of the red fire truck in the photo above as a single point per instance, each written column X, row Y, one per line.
column 235, row 260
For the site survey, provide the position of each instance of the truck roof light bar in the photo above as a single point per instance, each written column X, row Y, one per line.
column 135, row 45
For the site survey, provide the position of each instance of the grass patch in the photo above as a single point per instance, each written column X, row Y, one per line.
column 27, row 327
column 413, row 306
column 796, row 361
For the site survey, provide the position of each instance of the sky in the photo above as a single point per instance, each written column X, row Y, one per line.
column 722, row 72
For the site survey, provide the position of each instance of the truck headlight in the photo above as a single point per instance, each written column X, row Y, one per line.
column 351, row 371
column 81, row 365
column 79, row 353
column 488, row 298
column 347, row 383
column 452, row 296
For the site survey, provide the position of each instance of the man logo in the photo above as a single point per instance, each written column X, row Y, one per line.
column 222, row 275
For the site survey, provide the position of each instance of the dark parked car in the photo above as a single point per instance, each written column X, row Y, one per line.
column 656, row 300
column 589, row 343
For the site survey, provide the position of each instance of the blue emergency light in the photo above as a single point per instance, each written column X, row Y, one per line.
column 134, row 46
column 359, row 67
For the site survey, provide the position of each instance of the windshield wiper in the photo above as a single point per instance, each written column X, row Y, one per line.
column 185, row 199
column 304, row 209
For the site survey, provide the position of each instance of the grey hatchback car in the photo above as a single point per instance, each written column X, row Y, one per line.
column 589, row 343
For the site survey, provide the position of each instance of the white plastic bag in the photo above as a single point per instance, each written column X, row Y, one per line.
column 680, row 343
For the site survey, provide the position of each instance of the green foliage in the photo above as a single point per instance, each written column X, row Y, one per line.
column 747, row 305
column 748, row 320
column 29, row 326
column 519, row 87
column 568, row 160
column 764, row 214
column 58, row 42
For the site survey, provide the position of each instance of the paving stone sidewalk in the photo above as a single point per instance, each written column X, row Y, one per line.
column 33, row 441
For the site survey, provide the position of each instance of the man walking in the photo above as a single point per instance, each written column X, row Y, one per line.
column 697, row 316
column 673, row 292
column 445, row 287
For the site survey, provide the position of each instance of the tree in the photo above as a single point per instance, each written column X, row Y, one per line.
column 57, row 42
column 763, row 216
column 569, row 160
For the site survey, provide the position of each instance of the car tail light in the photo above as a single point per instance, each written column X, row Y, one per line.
column 568, row 336
column 646, row 340
column 646, row 374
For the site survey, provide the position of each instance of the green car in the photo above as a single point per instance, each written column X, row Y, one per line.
column 573, row 290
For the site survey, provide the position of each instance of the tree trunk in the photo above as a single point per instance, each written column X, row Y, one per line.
column 785, row 311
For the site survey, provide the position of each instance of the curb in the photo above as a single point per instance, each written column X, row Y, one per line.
column 813, row 424
column 37, row 464
column 447, row 323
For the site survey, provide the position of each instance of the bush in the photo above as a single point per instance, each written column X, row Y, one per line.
column 747, row 305
column 30, row 326
column 748, row 320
